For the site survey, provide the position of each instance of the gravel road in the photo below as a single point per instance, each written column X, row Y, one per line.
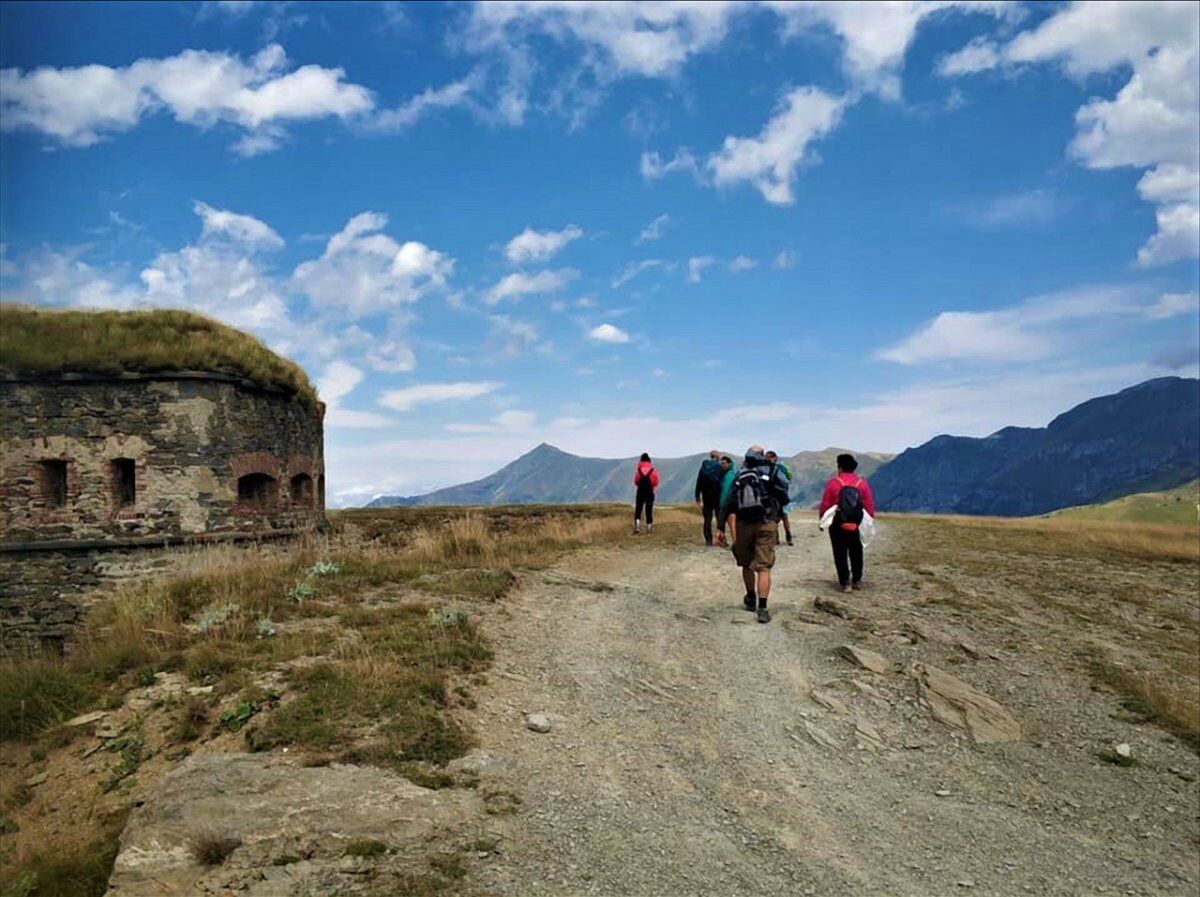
column 694, row 751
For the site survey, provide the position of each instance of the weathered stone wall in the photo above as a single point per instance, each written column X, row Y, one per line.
column 207, row 456
column 189, row 439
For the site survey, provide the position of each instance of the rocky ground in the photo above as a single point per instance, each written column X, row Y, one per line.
column 693, row 751
column 939, row 732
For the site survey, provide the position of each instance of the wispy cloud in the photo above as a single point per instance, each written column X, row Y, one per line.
column 535, row 246
column 654, row 229
column 422, row 394
column 515, row 286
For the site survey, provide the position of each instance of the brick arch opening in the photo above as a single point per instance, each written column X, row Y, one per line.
column 302, row 490
column 258, row 490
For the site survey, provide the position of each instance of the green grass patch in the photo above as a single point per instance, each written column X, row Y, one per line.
column 365, row 848
column 39, row 341
column 39, row 692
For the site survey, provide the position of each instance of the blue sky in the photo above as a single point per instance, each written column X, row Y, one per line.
column 642, row 227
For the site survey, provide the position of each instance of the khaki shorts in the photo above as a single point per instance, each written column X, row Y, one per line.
column 754, row 545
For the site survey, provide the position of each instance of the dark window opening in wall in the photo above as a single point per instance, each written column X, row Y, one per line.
column 257, row 490
column 124, row 482
column 302, row 490
column 321, row 491
column 52, row 476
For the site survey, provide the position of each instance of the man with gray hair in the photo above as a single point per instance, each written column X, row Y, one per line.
column 708, row 491
column 756, row 501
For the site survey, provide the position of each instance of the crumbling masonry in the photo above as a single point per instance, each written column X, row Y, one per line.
column 94, row 470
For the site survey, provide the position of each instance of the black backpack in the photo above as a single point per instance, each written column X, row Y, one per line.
column 850, row 506
column 710, row 475
column 753, row 496
column 644, row 483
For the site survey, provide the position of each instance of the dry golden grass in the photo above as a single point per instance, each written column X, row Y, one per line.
column 48, row 341
column 1151, row 541
column 1123, row 594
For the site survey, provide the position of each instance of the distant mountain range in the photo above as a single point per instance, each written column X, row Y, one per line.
column 1144, row 438
column 550, row 475
column 1141, row 439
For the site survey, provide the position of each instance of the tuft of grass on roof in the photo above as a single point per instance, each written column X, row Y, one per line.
column 39, row 341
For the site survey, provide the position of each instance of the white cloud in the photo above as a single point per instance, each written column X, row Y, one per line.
column 242, row 228
column 654, row 229
column 1026, row 207
column 516, row 337
column 696, row 266
column 784, row 260
column 769, row 161
column 1033, row 330
column 633, row 269
column 535, row 246
column 1153, row 122
column 653, row 167
column 511, row 421
column 448, row 96
column 742, row 263
column 518, row 284
column 1172, row 305
column 979, row 55
column 607, row 333
column 422, row 394
column 80, row 106
column 876, row 35
column 364, row 271
column 337, row 381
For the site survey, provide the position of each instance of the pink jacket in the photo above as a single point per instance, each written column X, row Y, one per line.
column 646, row 469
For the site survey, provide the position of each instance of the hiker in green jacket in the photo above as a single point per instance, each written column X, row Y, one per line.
column 787, row 524
column 728, row 475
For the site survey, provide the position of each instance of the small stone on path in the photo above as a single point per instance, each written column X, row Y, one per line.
column 537, row 722
column 1123, row 750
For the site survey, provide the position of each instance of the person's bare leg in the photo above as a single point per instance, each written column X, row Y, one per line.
column 764, row 587
column 748, row 580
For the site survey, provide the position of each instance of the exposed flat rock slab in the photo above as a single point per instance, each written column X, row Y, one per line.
column 279, row 810
column 953, row 702
column 861, row 657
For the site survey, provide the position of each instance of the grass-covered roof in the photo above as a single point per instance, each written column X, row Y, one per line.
column 39, row 341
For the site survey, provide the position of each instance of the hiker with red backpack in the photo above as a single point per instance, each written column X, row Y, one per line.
column 848, row 497
column 645, row 479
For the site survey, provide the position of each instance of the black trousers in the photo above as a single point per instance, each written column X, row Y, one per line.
column 847, row 554
column 708, row 505
column 644, row 500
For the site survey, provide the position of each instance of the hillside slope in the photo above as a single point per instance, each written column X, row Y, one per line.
column 1179, row 506
column 1144, row 438
column 549, row 475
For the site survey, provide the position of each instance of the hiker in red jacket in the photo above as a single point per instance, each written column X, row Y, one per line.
column 645, row 478
column 851, row 496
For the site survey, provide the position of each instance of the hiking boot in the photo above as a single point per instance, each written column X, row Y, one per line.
column 750, row 601
column 789, row 539
column 649, row 527
column 856, row 586
column 847, row 588
column 637, row 527
column 764, row 615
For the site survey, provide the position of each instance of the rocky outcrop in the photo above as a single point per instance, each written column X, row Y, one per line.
column 291, row 826
column 951, row 701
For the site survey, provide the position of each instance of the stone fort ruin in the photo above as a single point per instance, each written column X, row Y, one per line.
column 127, row 431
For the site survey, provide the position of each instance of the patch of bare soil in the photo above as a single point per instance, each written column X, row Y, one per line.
column 694, row 751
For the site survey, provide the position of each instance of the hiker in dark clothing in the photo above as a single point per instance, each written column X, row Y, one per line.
column 728, row 475
column 759, row 492
column 708, row 491
column 848, row 495
column 783, row 515
column 645, row 478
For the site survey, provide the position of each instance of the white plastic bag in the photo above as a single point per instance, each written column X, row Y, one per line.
column 866, row 529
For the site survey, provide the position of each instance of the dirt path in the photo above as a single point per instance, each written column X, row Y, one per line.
column 685, row 753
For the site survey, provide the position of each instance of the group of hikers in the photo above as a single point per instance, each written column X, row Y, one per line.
column 749, row 502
